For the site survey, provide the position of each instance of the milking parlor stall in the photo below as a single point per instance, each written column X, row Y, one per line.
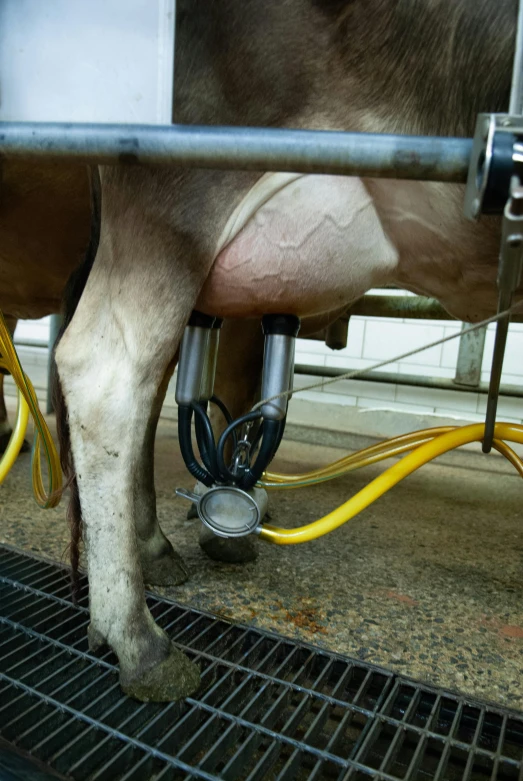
column 337, row 580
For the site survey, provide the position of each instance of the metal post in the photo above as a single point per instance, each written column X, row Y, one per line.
column 470, row 357
column 415, row 380
column 54, row 327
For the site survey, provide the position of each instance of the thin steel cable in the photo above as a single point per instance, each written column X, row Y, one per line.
column 360, row 372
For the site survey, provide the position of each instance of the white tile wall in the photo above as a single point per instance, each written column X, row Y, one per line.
column 375, row 339
column 385, row 339
column 363, row 389
column 33, row 329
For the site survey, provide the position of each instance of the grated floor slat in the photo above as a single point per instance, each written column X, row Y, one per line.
column 268, row 708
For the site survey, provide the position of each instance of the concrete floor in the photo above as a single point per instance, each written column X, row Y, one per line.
column 428, row 581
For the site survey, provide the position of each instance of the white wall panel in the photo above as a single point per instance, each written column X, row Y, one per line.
column 87, row 60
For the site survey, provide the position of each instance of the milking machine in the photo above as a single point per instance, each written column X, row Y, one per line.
column 231, row 467
column 234, row 471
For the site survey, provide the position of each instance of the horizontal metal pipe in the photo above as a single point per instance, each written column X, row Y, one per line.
column 257, row 149
column 407, row 307
column 406, row 379
column 401, row 307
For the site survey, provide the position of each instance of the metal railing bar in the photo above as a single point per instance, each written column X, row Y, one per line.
column 425, row 158
column 418, row 381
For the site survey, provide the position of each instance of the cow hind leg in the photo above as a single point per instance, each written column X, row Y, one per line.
column 110, row 398
column 133, row 313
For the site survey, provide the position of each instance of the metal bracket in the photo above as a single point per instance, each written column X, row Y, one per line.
column 497, row 156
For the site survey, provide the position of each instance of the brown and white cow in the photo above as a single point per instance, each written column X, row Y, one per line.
column 312, row 244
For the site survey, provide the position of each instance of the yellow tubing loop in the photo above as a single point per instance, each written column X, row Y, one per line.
column 426, row 445
column 28, row 403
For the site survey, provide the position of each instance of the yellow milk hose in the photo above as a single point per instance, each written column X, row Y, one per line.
column 17, row 437
column 371, row 455
column 425, row 452
column 28, row 403
column 365, row 457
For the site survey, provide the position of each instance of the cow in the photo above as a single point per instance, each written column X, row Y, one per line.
column 314, row 244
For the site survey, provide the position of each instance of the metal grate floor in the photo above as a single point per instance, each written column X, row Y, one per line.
column 268, row 708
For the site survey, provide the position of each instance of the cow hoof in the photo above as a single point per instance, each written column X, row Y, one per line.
column 4, row 441
column 237, row 550
column 166, row 570
column 172, row 679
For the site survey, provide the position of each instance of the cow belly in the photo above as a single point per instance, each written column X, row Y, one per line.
column 298, row 244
